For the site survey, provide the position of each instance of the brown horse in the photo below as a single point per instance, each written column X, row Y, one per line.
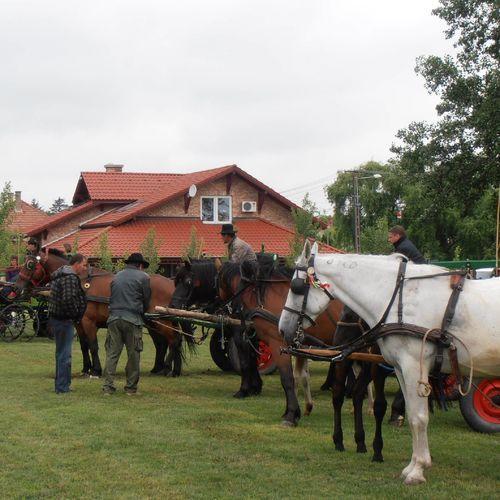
column 263, row 301
column 97, row 284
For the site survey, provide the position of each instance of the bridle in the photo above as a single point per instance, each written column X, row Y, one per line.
column 32, row 266
column 302, row 286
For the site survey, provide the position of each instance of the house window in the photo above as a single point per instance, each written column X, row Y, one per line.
column 216, row 209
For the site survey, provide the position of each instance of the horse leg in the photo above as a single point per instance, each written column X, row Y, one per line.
column 379, row 408
column 330, row 378
column 301, row 374
column 175, row 354
column 338, row 395
column 397, row 417
column 417, row 409
column 291, row 416
column 369, row 392
column 251, row 381
column 90, row 329
column 161, row 346
column 84, row 346
column 358, row 395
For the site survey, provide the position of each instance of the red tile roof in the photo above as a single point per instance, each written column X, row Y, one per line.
column 64, row 214
column 173, row 236
column 28, row 217
column 120, row 186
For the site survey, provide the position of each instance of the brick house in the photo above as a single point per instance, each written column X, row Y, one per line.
column 125, row 205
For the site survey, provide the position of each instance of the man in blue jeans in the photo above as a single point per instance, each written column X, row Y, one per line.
column 67, row 305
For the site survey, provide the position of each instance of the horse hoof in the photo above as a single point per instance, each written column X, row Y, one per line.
column 361, row 449
column 240, row 394
column 397, row 421
column 378, row 458
column 308, row 410
column 84, row 375
column 325, row 387
column 413, row 480
column 287, row 423
column 94, row 376
column 339, row 447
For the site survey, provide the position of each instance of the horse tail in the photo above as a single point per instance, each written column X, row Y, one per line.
column 189, row 346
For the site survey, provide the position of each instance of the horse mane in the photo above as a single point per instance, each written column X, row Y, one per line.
column 205, row 272
column 57, row 252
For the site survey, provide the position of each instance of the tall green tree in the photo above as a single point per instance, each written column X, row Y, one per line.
column 194, row 248
column 104, row 253
column 149, row 249
column 7, row 237
column 454, row 163
column 58, row 206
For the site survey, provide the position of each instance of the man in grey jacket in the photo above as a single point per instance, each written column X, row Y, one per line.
column 130, row 295
column 238, row 250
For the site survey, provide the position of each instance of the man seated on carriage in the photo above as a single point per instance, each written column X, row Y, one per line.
column 238, row 250
column 11, row 274
column 32, row 247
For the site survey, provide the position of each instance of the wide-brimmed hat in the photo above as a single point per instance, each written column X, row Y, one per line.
column 137, row 258
column 228, row 229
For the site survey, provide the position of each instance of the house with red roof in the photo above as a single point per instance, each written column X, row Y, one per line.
column 24, row 216
column 124, row 206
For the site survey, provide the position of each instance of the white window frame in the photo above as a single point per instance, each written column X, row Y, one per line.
column 216, row 214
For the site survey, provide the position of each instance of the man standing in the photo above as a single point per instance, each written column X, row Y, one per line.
column 238, row 250
column 130, row 295
column 67, row 305
column 397, row 236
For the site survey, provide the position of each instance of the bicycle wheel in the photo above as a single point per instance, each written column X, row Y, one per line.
column 13, row 320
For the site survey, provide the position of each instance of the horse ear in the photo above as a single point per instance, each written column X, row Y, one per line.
column 218, row 264
column 306, row 253
column 315, row 248
column 187, row 264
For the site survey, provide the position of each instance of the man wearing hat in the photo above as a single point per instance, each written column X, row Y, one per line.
column 130, row 295
column 238, row 250
column 32, row 247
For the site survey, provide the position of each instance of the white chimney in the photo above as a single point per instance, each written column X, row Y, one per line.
column 111, row 167
column 19, row 206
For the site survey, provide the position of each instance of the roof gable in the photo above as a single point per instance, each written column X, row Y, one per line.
column 29, row 216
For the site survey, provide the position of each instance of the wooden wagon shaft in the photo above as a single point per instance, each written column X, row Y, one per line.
column 357, row 356
column 199, row 315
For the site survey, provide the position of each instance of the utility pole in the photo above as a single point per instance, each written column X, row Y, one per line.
column 357, row 215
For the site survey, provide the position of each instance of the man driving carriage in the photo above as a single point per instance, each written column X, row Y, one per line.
column 238, row 250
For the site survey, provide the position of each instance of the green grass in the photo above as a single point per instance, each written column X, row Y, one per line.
column 188, row 438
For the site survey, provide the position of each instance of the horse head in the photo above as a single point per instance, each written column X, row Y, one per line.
column 194, row 283
column 305, row 302
column 37, row 269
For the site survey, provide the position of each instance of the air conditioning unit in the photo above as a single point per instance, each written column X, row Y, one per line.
column 249, row 206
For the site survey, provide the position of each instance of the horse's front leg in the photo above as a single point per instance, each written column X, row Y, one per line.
column 379, row 408
column 91, row 333
column 251, row 381
column 338, row 395
column 301, row 375
column 417, row 410
column 358, row 395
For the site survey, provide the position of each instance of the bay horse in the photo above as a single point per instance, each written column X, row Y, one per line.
column 263, row 300
column 36, row 271
column 385, row 291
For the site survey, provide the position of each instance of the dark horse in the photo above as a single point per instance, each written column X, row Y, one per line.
column 97, row 284
column 263, row 299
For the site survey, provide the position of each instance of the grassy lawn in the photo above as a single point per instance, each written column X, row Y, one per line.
column 188, row 438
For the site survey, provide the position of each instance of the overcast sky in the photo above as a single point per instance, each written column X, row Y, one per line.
column 291, row 91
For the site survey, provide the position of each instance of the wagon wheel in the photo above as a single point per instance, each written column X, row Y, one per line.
column 265, row 362
column 219, row 352
column 481, row 407
column 13, row 319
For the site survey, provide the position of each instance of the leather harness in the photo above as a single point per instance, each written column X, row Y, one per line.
column 439, row 336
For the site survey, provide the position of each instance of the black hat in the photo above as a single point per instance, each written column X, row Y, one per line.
column 137, row 258
column 228, row 229
column 34, row 241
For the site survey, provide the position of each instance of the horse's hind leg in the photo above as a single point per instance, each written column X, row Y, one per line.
column 301, row 374
column 397, row 417
column 90, row 329
column 251, row 381
column 338, row 395
column 84, row 346
column 379, row 408
column 175, row 349
column 161, row 346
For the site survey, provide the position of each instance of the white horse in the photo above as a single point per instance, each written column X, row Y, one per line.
column 366, row 284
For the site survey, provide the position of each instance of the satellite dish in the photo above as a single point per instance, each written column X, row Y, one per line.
column 192, row 190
